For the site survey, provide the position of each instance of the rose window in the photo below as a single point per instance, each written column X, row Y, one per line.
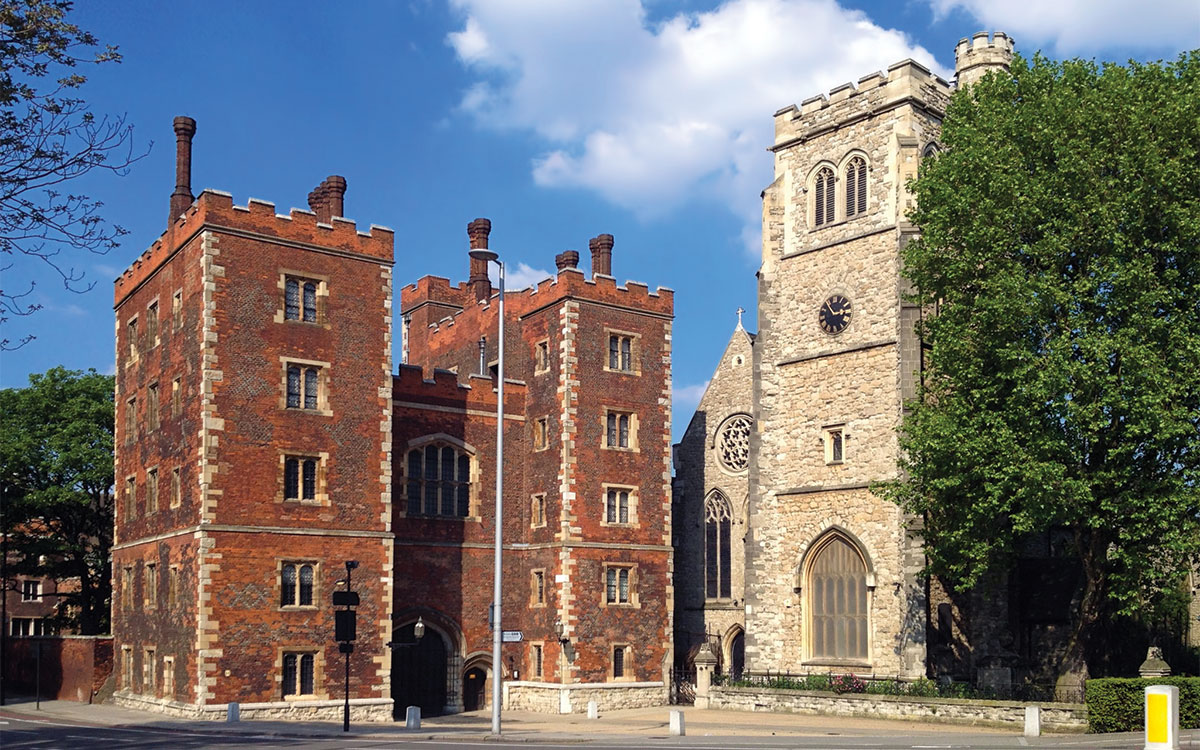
column 733, row 443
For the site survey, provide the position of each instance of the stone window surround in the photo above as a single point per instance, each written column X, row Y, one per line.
column 322, row 283
column 131, row 429
column 316, row 585
column 173, row 586
column 533, row 588
column 176, row 316
column 300, row 650
column 323, row 369
column 535, row 502
column 802, row 588
column 127, row 667
column 153, row 488
column 633, row 504
column 131, row 340
column 152, row 306
column 839, row 199
column 127, row 587
column 541, row 356
column 149, row 585
column 828, row 441
column 176, row 487
column 541, row 433
column 627, row 673
column 400, row 503
column 149, row 670
column 177, row 396
column 634, row 601
column 130, row 497
column 633, row 430
column 31, row 590
column 168, row 680
column 322, row 495
column 537, row 659
column 635, row 351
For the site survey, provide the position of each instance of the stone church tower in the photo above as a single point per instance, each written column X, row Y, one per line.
column 831, row 576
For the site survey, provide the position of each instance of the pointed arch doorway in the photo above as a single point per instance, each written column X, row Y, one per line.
column 419, row 672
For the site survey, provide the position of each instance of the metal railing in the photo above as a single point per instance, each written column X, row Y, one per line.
column 841, row 683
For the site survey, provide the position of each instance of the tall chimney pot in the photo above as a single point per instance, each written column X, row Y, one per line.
column 601, row 247
column 185, row 128
column 335, row 195
column 567, row 259
column 477, row 232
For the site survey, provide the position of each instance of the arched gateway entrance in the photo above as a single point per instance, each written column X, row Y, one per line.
column 419, row 672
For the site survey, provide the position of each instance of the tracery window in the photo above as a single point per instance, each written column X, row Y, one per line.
column 718, row 519
column 856, row 186
column 823, row 203
column 837, row 599
column 439, row 481
column 733, row 443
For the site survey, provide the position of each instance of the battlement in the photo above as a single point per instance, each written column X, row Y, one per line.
column 979, row 55
column 445, row 389
column 215, row 209
column 568, row 282
column 906, row 80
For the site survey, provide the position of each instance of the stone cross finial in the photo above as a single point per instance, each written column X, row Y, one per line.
column 739, row 314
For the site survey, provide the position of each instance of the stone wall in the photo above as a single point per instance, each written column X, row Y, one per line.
column 377, row 710
column 545, row 697
column 1056, row 717
column 700, row 471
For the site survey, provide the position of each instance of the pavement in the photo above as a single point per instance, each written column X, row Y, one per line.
column 623, row 726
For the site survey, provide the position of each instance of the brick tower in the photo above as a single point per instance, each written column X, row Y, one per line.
column 253, row 456
column 587, row 494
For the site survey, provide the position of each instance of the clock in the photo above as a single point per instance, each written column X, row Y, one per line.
column 834, row 315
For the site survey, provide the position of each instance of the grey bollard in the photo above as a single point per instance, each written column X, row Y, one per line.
column 1033, row 721
column 593, row 710
column 412, row 719
column 677, row 724
column 233, row 712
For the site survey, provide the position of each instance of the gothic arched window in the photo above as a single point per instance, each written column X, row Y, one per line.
column 856, row 186
column 837, row 600
column 439, row 481
column 717, row 520
column 823, row 202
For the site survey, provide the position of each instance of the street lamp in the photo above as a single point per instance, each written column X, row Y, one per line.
column 486, row 256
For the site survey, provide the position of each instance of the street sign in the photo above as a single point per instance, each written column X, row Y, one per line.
column 345, row 598
column 511, row 636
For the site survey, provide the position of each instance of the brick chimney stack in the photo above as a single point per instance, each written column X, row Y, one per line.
column 185, row 128
column 601, row 247
column 335, row 195
column 478, row 231
column 328, row 199
column 566, row 259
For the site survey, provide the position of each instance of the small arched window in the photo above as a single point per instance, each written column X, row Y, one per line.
column 837, row 598
column 823, row 203
column 717, row 569
column 439, row 481
column 856, row 187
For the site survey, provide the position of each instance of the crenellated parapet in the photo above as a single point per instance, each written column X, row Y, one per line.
column 905, row 83
column 978, row 56
column 446, row 389
column 215, row 210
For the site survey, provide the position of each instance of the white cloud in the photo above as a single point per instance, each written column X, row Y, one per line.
column 653, row 116
column 1083, row 27
column 685, row 398
column 520, row 277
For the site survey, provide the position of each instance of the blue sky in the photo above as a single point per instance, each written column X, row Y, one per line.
column 556, row 119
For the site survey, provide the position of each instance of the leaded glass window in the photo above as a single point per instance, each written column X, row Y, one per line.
column 718, row 518
column 439, row 481
column 733, row 443
column 838, row 602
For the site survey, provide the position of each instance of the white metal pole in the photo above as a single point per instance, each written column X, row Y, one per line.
column 497, row 664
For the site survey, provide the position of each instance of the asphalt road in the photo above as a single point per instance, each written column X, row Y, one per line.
column 23, row 733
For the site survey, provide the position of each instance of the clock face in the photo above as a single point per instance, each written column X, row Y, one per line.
column 835, row 314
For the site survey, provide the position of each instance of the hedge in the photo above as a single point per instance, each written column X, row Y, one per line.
column 1115, row 704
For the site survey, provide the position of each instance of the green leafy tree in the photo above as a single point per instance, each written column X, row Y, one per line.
column 56, row 465
column 1060, row 252
column 49, row 138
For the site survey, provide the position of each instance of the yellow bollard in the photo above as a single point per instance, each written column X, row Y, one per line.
column 1162, row 717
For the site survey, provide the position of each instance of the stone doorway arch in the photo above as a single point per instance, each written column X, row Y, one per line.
column 426, row 673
